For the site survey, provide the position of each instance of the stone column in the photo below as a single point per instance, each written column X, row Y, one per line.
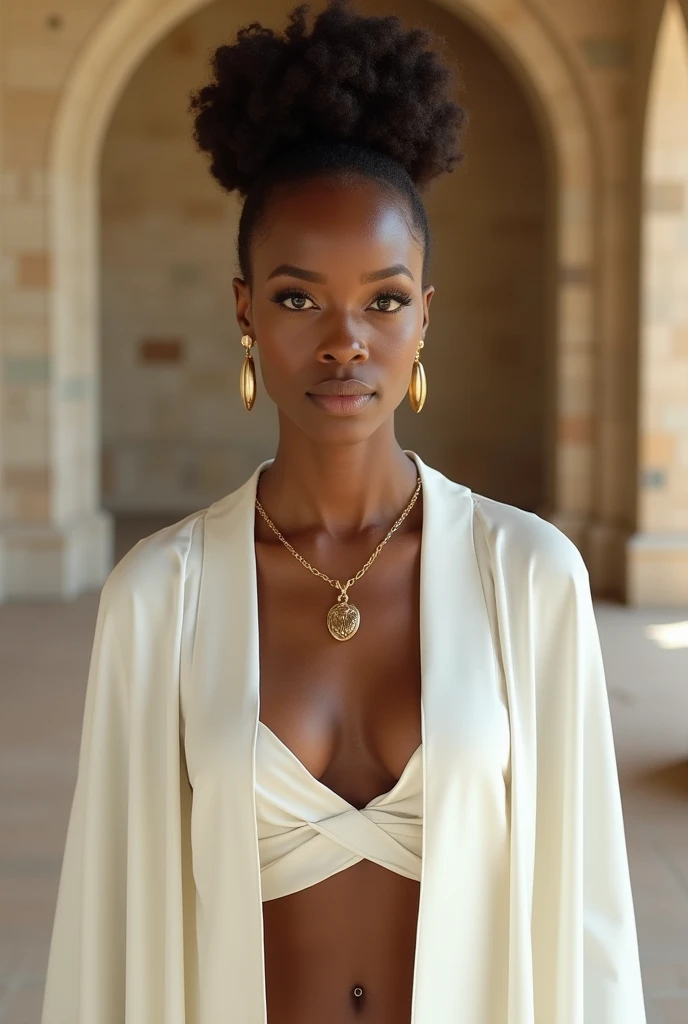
column 658, row 552
column 54, row 539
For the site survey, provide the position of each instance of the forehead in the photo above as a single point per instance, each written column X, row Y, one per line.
column 329, row 222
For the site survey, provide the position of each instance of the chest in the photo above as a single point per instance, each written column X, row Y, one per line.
column 349, row 710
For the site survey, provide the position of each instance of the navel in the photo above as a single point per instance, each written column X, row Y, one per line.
column 358, row 997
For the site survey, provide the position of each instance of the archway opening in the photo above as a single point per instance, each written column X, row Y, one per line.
column 129, row 31
column 175, row 434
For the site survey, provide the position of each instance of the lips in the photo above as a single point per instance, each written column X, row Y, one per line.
column 335, row 386
column 341, row 405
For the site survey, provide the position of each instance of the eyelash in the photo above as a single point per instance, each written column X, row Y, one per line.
column 402, row 297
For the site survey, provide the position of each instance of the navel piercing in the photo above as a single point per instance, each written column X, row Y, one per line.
column 358, row 998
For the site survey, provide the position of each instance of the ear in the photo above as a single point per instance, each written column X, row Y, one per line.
column 427, row 299
column 242, row 295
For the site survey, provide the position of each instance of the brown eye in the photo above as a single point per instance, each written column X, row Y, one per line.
column 295, row 294
column 401, row 298
column 385, row 299
column 298, row 300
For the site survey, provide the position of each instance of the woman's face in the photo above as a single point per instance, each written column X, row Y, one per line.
column 337, row 293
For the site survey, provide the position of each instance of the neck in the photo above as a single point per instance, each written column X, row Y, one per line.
column 341, row 490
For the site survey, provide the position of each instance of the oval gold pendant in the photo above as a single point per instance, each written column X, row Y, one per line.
column 418, row 388
column 248, row 381
column 343, row 619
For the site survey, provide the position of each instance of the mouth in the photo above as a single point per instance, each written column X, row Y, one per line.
column 341, row 397
column 341, row 405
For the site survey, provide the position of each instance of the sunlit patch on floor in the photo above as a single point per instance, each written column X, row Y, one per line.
column 669, row 635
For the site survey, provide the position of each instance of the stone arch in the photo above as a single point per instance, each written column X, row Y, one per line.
column 123, row 37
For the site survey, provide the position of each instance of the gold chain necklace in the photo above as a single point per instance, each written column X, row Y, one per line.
column 343, row 619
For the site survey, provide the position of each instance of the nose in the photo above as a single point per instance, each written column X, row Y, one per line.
column 343, row 348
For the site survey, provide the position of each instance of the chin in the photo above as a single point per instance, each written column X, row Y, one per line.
column 340, row 433
column 337, row 430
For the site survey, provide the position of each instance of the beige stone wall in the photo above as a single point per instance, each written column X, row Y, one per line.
column 586, row 67
column 175, row 432
column 659, row 554
column 664, row 349
column 37, row 50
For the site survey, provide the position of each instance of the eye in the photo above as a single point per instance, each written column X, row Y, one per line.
column 292, row 293
column 299, row 297
column 403, row 298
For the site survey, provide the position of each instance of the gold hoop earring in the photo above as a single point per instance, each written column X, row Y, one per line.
column 418, row 388
column 247, row 382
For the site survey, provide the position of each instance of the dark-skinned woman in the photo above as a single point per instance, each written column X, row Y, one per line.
column 347, row 750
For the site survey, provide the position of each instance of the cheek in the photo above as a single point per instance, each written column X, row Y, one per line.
column 280, row 342
column 280, row 363
column 395, row 356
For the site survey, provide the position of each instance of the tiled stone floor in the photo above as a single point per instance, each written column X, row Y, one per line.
column 44, row 652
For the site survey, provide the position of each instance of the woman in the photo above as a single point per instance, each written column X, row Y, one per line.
column 401, row 804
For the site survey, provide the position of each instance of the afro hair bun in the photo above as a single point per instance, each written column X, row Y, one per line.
column 364, row 80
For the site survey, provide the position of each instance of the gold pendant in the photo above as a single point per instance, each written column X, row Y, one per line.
column 343, row 619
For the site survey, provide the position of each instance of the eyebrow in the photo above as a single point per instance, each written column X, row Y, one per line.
column 316, row 278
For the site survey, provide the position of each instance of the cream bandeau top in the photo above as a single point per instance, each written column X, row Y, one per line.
column 307, row 832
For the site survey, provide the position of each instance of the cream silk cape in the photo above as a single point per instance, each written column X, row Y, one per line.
column 159, row 922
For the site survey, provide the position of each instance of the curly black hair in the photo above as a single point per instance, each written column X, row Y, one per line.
column 359, row 95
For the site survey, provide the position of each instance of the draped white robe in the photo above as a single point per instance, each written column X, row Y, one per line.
column 159, row 913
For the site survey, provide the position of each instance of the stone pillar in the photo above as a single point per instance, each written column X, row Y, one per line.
column 51, row 544
column 658, row 552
